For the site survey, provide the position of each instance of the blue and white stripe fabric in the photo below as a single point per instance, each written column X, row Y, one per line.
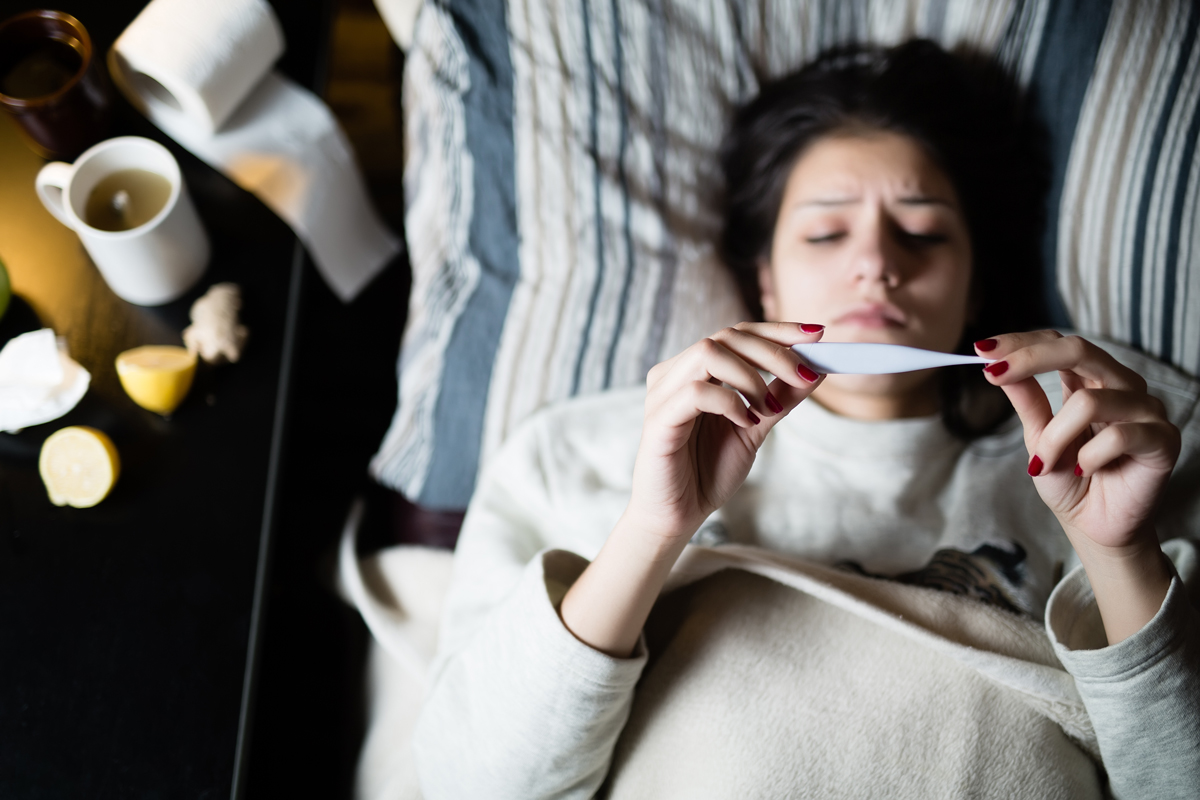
column 560, row 181
column 1128, row 248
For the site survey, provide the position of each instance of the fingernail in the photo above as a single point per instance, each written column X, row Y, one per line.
column 773, row 404
column 811, row 328
column 1035, row 467
column 1078, row 471
column 754, row 420
column 996, row 368
column 807, row 373
column 986, row 344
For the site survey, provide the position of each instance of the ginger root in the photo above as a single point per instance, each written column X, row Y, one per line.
column 215, row 333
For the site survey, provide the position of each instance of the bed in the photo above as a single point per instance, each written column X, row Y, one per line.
column 559, row 185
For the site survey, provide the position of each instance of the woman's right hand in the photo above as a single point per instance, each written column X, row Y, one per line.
column 699, row 439
column 698, row 443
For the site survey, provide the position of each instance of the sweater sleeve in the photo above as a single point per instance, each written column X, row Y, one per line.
column 518, row 707
column 1142, row 694
column 526, row 710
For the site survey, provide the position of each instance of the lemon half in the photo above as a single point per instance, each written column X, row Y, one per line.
column 157, row 377
column 79, row 466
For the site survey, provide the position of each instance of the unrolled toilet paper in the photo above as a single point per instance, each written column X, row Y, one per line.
column 202, row 73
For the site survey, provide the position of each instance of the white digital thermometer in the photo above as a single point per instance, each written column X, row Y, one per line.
column 868, row 358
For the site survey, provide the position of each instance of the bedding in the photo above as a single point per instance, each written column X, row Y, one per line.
column 1036, row 685
column 560, row 180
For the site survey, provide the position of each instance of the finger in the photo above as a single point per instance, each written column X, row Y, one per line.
column 702, row 397
column 1155, row 444
column 660, row 371
column 998, row 347
column 1033, row 409
column 784, row 333
column 778, row 333
column 1085, row 408
column 1071, row 383
column 1001, row 345
column 709, row 360
column 769, row 355
column 1047, row 351
column 791, row 396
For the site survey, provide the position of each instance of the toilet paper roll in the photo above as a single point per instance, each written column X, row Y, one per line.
column 202, row 73
column 199, row 60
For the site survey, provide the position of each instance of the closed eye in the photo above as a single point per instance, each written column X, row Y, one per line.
column 829, row 237
column 924, row 238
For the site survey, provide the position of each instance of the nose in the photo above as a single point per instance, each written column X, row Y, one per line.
column 875, row 259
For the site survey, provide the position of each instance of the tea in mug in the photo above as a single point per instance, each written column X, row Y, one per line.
column 126, row 199
column 30, row 73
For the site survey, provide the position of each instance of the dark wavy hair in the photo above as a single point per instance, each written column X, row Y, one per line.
column 976, row 125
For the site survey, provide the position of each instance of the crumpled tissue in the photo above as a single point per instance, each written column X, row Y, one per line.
column 38, row 380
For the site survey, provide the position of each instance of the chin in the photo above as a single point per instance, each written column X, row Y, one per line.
column 880, row 334
column 884, row 334
column 906, row 394
column 877, row 385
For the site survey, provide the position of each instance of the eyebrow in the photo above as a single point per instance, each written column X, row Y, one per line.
column 914, row 200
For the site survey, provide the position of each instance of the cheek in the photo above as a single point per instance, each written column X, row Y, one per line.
column 805, row 279
column 944, row 297
column 803, row 294
column 958, row 292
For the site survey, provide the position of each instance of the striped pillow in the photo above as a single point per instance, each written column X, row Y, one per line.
column 561, row 172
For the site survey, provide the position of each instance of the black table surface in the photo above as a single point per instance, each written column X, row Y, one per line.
column 128, row 631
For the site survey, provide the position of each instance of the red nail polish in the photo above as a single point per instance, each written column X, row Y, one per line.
column 986, row 344
column 807, row 373
column 1035, row 467
column 773, row 404
column 754, row 420
column 811, row 328
column 997, row 368
column 1078, row 471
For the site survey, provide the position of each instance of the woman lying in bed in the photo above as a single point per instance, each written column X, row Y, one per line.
column 875, row 196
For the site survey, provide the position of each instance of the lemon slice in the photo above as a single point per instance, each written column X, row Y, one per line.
column 157, row 377
column 79, row 466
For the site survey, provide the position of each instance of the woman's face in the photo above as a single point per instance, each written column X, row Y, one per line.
column 871, row 242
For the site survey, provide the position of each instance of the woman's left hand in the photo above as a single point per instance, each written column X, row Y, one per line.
column 1100, row 464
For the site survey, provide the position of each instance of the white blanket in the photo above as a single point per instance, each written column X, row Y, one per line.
column 895, row 650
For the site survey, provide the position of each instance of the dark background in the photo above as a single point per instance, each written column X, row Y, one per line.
column 307, row 715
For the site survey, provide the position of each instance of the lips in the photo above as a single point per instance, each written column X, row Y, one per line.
column 873, row 315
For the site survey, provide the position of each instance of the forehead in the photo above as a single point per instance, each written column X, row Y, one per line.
column 842, row 168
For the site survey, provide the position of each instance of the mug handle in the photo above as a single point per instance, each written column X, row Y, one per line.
column 51, row 180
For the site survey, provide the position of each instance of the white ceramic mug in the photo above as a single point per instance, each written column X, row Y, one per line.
column 153, row 263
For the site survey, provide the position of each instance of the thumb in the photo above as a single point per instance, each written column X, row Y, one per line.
column 1033, row 409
